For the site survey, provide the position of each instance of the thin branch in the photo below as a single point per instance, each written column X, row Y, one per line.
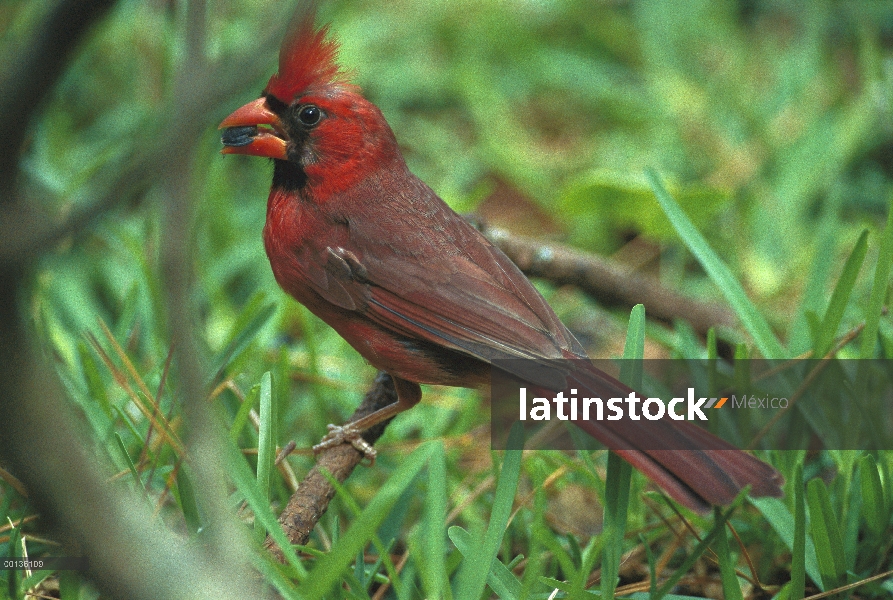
column 606, row 281
column 309, row 502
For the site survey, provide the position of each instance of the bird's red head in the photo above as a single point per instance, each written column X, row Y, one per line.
column 311, row 120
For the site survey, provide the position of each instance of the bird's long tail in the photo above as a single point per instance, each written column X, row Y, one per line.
column 696, row 468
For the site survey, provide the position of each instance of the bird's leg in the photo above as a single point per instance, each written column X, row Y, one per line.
column 408, row 395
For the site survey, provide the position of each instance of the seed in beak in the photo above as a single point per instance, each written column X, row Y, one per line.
column 238, row 136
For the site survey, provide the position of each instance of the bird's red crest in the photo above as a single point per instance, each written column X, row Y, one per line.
column 306, row 59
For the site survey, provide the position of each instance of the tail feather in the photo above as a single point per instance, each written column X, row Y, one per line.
column 696, row 468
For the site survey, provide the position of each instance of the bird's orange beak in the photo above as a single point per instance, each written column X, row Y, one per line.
column 244, row 132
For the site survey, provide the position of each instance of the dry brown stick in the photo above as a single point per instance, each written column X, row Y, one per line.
column 605, row 280
column 310, row 501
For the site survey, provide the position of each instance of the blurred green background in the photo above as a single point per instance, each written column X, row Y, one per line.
column 770, row 120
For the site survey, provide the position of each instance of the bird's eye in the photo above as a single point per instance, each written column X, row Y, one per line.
column 310, row 115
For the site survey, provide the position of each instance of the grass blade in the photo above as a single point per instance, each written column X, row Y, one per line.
column 785, row 525
column 502, row 581
column 476, row 568
column 123, row 448
column 874, row 507
column 634, row 348
column 244, row 479
column 251, row 319
column 840, row 296
column 826, row 536
column 433, row 567
column 730, row 587
column 814, row 293
column 266, row 446
column 878, row 289
column 244, row 413
column 754, row 322
column 798, row 552
column 619, row 472
column 188, row 503
column 719, row 526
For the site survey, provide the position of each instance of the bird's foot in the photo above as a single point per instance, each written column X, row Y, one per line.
column 346, row 434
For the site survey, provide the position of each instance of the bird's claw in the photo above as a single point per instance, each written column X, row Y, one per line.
column 346, row 434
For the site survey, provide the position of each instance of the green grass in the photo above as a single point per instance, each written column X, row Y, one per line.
column 739, row 152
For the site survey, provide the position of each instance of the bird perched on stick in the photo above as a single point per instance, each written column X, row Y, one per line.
column 370, row 249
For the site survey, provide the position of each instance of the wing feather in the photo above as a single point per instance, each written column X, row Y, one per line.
column 428, row 274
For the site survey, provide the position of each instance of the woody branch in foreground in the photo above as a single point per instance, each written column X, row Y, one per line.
column 39, row 438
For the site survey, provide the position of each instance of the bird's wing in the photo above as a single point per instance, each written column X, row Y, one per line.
column 418, row 269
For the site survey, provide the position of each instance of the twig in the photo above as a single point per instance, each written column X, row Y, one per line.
column 308, row 504
column 605, row 280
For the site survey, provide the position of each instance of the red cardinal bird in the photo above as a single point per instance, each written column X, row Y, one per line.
column 370, row 249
